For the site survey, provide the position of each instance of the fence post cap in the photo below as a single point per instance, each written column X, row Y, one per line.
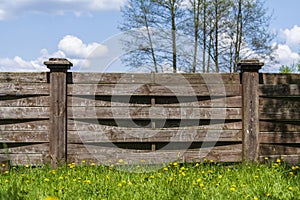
column 253, row 65
column 58, row 64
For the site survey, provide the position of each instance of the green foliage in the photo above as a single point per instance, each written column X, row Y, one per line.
column 174, row 181
column 288, row 69
column 285, row 69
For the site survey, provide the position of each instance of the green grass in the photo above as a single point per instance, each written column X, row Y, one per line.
column 175, row 181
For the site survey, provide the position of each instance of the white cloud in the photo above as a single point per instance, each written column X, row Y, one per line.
column 14, row 8
column 292, row 37
column 69, row 47
column 74, row 47
column 285, row 55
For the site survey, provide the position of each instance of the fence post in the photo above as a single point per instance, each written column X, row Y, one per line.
column 250, row 96
column 58, row 109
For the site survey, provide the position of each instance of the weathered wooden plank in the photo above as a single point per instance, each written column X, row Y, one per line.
column 40, row 125
column 123, row 101
column 23, row 77
column 288, row 159
column 276, row 79
column 154, row 90
column 279, row 103
column 279, row 90
column 109, row 155
column 273, row 113
column 153, row 113
column 273, row 149
column 24, row 112
column 279, row 126
column 27, row 159
column 24, row 136
column 250, row 83
column 95, row 126
column 280, row 138
column 160, row 135
column 197, row 78
column 26, row 148
column 160, row 78
column 24, row 101
column 24, row 89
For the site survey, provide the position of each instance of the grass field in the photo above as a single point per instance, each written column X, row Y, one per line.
column 174, row 181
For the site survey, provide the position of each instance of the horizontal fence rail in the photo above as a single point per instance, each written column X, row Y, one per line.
column 59, row 116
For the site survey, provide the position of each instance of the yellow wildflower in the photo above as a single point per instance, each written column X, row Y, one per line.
column 51, row 198
column 46, row 179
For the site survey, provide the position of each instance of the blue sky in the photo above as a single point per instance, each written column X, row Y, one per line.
column 34, row 30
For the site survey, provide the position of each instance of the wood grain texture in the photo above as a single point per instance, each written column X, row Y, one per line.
column 24, row 136
column 154, row 90
column 96, row 126
column 279, row 90
column 27, row 159
column 24, row 101
column 279, row 149
column 23, row 77
column 165, row 78
column 124, row 101
column 279, row 126
column 36, row 125
column 154, row 113
column 160, row 135
column 277, row 79
column 251, row 115
column 24, row 89
column 280, row 137
column 24, row 112
column 230, row 153
column 58, row 118
column 27, row 148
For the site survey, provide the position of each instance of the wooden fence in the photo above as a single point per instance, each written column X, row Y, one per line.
column 151, row 118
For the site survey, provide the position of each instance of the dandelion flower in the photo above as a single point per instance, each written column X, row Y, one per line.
column 291, row 188
column 121, row 160
column 92, row 164
column 232, row 189
column 46, row 179
column 255, row 198
column 166, row 169
column 87, row 181
column 51, row 198
column 278, row 161
column 201, row 185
